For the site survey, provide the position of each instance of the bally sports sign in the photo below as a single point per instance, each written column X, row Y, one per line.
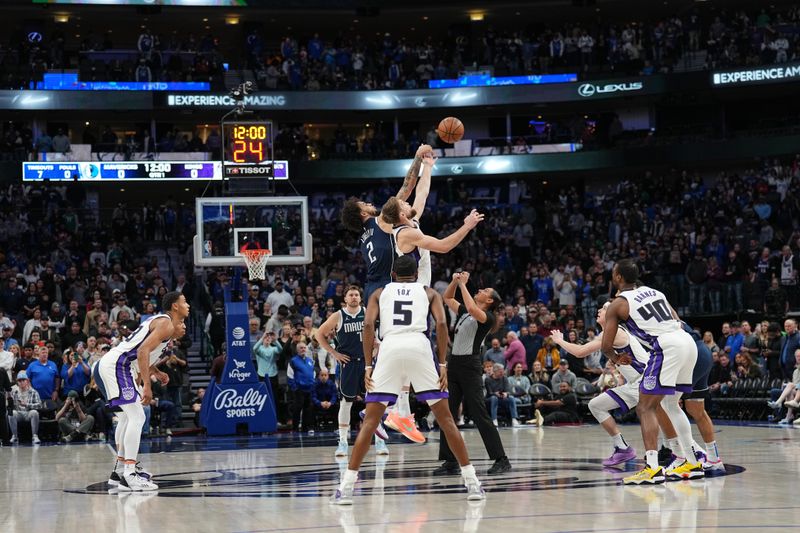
column 239, row 397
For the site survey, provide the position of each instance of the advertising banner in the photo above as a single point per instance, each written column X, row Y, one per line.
column 239, row 397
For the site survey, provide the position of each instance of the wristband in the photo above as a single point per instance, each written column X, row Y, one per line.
column 367, row 366
column 443, row 364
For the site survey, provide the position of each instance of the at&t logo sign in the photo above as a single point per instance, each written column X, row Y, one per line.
column 238, row 335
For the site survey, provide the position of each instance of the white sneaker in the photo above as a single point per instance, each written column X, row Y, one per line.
column 14, row 439
column 514, row 423
column 135, row 482
column 495, row 423
column 774, row 405
column 36, row 439
column 341, row 450
column 343, row 496
column 714, row 466
column 381, row 448
column 475, row 491
column 792, row 403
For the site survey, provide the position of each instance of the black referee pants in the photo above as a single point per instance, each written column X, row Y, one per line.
column 464, row 384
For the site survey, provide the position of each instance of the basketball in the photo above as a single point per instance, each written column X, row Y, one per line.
column 450, row 130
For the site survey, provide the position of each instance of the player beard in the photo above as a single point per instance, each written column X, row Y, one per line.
column 412, row 214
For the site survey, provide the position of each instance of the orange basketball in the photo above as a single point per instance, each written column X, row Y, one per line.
column 450, row 130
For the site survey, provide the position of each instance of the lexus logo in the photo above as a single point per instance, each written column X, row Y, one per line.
column 456, row 169
column 34, row 37
column 589, row 89
column 419, row 101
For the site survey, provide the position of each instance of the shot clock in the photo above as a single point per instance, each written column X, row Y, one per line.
column 247, row 149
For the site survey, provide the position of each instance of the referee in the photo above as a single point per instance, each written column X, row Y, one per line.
column 464, row 369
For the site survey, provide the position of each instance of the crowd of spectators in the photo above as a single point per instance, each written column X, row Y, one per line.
column 760, row 36
column 153, row 57
column 73, row 282
column 347, row 61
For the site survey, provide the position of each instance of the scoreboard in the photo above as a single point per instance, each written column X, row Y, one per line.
column 248, row 149
column 123, row 170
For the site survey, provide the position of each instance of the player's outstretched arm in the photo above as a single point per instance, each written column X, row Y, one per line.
column 424, row 184
column 410, row 181
column 325, row 329
column 414, row 237
column 368, row 332
column 616, row 312
column 578, row 350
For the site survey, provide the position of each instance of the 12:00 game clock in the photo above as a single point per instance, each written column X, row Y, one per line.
column 247, row 149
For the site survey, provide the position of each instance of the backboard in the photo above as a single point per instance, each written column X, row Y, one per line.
column 225, row 225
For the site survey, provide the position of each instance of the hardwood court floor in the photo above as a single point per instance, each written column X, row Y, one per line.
column 282, row 483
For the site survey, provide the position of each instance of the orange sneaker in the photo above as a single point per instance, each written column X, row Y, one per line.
column 405, row 425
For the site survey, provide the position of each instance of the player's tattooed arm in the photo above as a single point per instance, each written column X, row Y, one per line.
column 412, row 175
column 410, row 180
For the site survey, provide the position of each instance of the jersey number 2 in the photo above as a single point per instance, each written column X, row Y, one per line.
column 370, row 249
column 402, row 313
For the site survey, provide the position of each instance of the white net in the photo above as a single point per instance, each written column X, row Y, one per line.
column 256, row 261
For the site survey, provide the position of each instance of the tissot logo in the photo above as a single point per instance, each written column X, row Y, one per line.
column 590, row 89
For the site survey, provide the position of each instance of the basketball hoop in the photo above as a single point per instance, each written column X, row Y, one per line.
column 256, row 261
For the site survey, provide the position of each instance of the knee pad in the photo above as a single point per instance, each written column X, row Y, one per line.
column 599, row 410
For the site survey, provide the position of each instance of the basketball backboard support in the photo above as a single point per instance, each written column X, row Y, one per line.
column 225, row 225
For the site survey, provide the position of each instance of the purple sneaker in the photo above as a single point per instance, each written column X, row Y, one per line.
column 380, row 431
column 620, row 456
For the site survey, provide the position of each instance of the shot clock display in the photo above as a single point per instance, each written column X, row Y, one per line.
column 248, row 149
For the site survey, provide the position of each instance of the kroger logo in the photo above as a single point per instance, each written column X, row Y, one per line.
column 589, row 89
column 238, row 373
column 238, row 333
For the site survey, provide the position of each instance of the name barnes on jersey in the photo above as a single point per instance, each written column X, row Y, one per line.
column 645, row 294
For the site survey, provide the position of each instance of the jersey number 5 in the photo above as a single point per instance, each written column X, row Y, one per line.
column 657, row 310
column 402, row 313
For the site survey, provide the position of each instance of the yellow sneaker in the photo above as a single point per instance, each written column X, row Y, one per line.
column 686, row 471
column 405, row 425
column 646, row 476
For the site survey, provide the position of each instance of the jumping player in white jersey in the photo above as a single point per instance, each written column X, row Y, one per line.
column 403, row 308
column 624, row 397
column 116, row 375
column 648, row 316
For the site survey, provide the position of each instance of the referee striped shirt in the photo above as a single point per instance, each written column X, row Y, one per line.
column 469, row 333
